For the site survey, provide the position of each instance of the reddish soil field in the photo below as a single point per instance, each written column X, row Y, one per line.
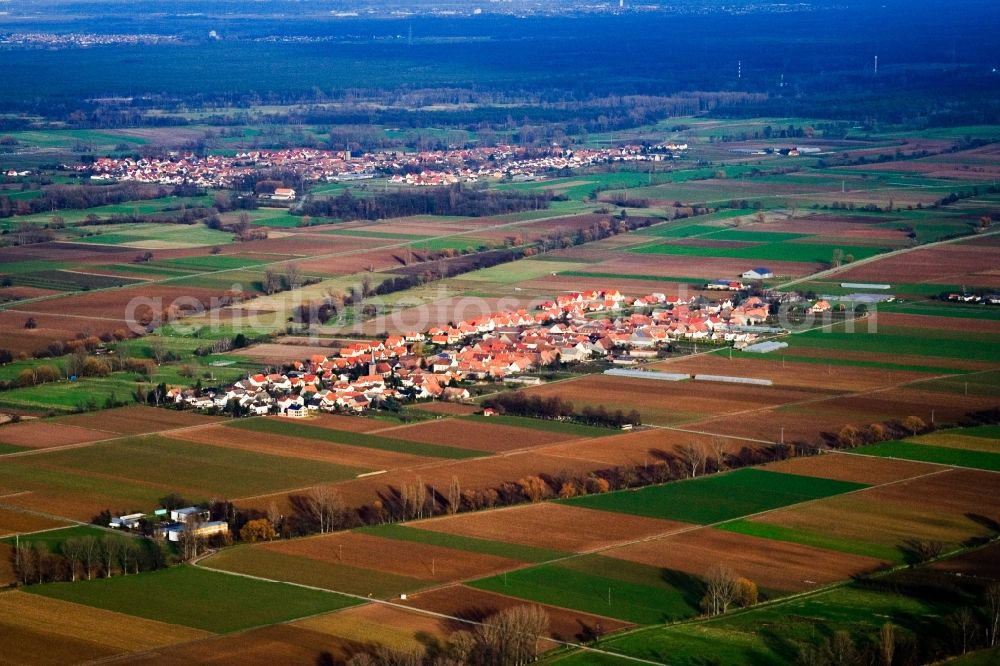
column 348, row 423
column 266, row 646
column 855, row 229
column 476, row 435
column 309, row 449
column 12, row 522
column 304, row 244
column 279, row 354
column 642, row 447
column 969, row 262
column 946, row 364
column 807, row 422
column 964, row 324
column 139, row 420
column 549, row 525
column 111, row 305
column 769, row 366
column 476, row 473
column 7, row 573
column 449, row 408
column 470, row 604
column 392, row 626
column 936, row 507
column 980, row 563
column 362, row 260
column 46, row 434
column 672, row 403
column 858, row 469
column 773, row 565
column 420, row 561
column 17, row 293
column 50, row 328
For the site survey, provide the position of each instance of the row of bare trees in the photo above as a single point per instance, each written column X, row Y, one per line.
column 509, row 637
column 85, row 557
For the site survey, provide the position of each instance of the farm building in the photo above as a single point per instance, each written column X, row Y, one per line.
column 191, row 514
column 759, row 273
column 173, row 531
column 283, row 194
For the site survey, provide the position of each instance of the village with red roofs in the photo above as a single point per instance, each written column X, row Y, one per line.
column 437, row 363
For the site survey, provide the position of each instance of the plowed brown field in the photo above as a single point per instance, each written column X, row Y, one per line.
column 557, row 526
column 773, row 565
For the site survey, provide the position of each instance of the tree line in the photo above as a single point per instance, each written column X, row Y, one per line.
column 555, row 407
column 86, row 558
column 454, row 200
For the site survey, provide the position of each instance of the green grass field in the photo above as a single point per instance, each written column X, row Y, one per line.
column 933, row 454
column 780, row 251
column 470, row 544
column 604, row 586
column 197, row 598
column 816, row 540
column 134, row 472
column 889, row 340
column 267, row 563
column 773, row 635
column 718, row 497
column 53, row 539
column 289, row 429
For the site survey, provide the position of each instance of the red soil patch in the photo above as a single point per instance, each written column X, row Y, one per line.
column 347, row 423
column 980, row 563
column 309, row 449
column 549, row 525
column 670, row 403
column 958, row 491
column 858, row 469
column 808, row 422
column 476, row 605
column 279, row 354
column 773, row 565
column 811, row 376
column 969, row 262
column 643, row 447
column 962, row 324
column 139, row 420
column 449, row 408
column 476, row 435
column 415, row 560
column 266, row 646
column 947, row 365
column 7, row 574
column 477, row 473
column 392, row 626
column 12, row 522
column 46, row 434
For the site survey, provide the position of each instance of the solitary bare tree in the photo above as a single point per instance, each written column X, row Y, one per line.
column 694, row 457
column 993, row 612
column 718, row 445
column 887, row 643
column 722, row 590
column 293, row 275
column 325, row 507
column 510, row 637
column 454, row 495
column 89, row 554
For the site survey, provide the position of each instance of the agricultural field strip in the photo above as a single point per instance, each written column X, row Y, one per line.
column 601, row 549
column 317, row 257
column 947, row 466
column 78, row 445
column 408, row 609
column 878, row 257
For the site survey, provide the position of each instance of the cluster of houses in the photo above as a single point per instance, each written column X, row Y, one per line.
column 437, row 167
column 171, row 524
column 434, row 364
